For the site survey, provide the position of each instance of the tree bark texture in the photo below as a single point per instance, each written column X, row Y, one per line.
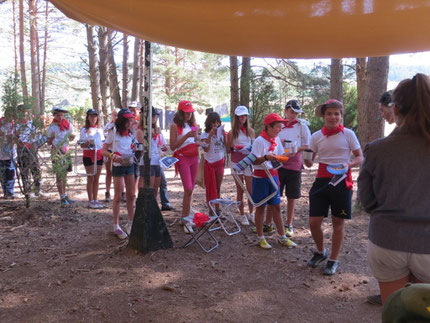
column 93, row 70
column 147, row 110
column 376, row 85
column 45, row 53
column 125, row 70
column 360, row 70
column 21, row 52
column 104, row 78
column 336, row 79
column 113, row 75
column 245, row 81
column 136, row 64
column 34, row 48
column 234, row 85
column 15, row 45
column 141, row 82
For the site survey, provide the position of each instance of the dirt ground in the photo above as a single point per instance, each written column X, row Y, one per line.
column 65, row 265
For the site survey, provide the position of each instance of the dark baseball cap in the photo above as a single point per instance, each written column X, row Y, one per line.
column 92, row 112
column 294, row 105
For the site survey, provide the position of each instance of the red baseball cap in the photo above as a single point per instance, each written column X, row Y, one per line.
column 185, row 106
column 273, row 117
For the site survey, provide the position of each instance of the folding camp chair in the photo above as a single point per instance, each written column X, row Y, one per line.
column 246, row 162
column 201, row 232
column 75, row 169
column 224, row 214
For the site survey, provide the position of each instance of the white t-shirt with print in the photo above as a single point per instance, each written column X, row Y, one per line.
column 335, row 149
column 120, row 144
column 156, row 145
column 96, row 134
column 61, row 138
column 216, row 148
column 261, row 146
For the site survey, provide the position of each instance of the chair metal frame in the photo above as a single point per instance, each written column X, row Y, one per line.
column 76, row 162
column 196, row 235
column 227, row 203
column 242, row 185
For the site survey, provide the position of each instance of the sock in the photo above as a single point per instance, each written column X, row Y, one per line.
column 334, row 260
column 116, row 227
column 262, row 237
column 282, row 237
column 321, row 253
column 63, row 196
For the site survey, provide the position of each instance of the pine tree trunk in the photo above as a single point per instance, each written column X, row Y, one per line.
column 113, row 75
column 336, row 79
column 376, row 85
column 15, row 46
column 94, row 72
column 136, row 69
column 104, row 78
column 21, row 52
column 142, row 71
column 360, row 69
column 245, row 81
column 234, row 85
column 45, row 52
column 125, row 70
column 34, row 48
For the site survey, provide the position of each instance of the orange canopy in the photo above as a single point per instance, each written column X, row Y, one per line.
column 267, row 28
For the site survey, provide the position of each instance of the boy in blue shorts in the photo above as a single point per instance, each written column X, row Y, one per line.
column 265, row 148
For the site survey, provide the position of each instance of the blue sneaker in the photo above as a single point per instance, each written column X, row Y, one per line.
column 64, row 202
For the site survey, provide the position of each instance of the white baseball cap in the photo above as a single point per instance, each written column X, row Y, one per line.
column 241, row 110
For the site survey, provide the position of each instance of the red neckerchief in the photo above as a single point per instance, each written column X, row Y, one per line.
column 63, row 124
column 93, row 126
column 290, row 124
column 271, row 140
column 243, row 130
column 330, row 132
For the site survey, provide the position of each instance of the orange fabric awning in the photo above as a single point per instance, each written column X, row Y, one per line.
column 267, row 28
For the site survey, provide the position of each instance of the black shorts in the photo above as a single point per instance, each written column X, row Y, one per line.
column 323, row 195
column 292, row 181
column 120, row 171
column 154, row 170
column 87, row 161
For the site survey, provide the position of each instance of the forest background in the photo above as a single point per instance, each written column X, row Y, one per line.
column 48, row 59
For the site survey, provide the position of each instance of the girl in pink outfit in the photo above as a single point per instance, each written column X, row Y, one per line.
column 183, row 135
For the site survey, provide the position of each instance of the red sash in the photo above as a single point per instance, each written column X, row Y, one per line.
column 261, row 173
column 323, row 173
column 90, row 154
column 210, row 179
column 63, row 124
column 191, row 150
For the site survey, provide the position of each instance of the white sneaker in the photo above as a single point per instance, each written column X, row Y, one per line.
column 99, row 205
column 188, row 228
column 128, row 228
column 243, row 220
column 252, row 218
column 120, row 234
column 93, row 205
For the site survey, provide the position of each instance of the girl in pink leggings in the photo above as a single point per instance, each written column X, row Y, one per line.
column 183, row 135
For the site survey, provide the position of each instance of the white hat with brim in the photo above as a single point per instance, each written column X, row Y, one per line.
column 59, row 109
column 241, row 110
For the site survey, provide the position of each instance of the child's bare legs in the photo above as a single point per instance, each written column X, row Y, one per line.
column 275, row 213
column 317, row 233
column 248, row 182
column 130, row 193
column 118, row 186
column 259, row 219
column 239, row 195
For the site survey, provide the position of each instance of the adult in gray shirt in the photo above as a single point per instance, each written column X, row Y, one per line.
column 393, row 187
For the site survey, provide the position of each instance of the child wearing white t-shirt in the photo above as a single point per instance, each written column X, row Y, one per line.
column 91, row 139
column 333, row 145
column 60, row 132
column 122, row 142
column 214, row 157
column 158, row 144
